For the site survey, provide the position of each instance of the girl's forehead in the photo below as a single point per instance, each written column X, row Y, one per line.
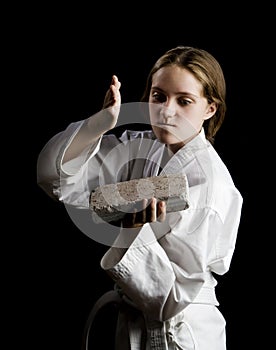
column 176, row 79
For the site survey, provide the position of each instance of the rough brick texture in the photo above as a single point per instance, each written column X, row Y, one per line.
column 111, row 202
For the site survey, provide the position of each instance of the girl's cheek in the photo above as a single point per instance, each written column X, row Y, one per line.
column 155, row 113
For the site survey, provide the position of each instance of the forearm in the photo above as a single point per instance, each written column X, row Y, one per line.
column 89, row 133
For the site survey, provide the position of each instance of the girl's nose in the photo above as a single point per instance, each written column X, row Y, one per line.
column 167, row 112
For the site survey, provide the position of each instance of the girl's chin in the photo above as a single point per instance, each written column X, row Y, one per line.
column 172, row 140
column 167, row 137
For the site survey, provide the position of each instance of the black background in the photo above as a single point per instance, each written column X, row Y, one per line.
column 65, row 62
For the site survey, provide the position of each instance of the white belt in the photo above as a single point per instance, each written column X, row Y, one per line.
column 155, row 329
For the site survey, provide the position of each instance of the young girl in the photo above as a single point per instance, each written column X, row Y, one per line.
column 163, row 263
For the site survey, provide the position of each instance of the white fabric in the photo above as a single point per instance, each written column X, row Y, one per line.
column 168, row 267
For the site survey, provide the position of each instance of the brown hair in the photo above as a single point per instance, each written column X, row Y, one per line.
column 206, row 70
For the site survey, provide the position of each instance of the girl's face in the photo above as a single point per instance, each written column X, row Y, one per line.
column 177, row 106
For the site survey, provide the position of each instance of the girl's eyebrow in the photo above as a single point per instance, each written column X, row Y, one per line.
column 177, row 93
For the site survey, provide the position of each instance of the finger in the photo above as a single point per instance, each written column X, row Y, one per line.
column 113, row 96
column 116, row 96
column 109, row 98
column 129, row 219
column 144, row 210
column 161, row 211
column 141, row 215
column 152, row 210
column 115, row 82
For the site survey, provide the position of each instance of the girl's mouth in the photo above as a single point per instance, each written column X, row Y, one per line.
column 166, row 125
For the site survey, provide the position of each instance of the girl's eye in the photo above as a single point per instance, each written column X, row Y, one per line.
column 157, row 97
column 184, row 102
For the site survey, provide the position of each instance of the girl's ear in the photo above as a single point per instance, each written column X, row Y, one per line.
column 211, row 110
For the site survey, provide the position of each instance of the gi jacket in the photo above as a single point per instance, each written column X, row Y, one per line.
column 162, row 267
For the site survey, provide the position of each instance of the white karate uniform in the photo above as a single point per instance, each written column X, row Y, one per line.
column 166, row 269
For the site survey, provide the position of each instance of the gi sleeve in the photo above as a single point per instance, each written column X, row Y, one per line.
column 52, row 174
column 163, row 272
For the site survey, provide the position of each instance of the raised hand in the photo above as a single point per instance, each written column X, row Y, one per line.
column 112, row 102
column 97, row 124
column 113, row 96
